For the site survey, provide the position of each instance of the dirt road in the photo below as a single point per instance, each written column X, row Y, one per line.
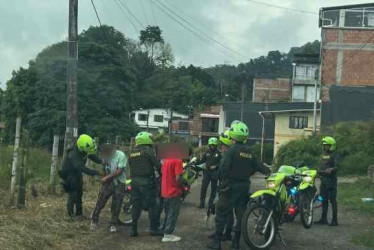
column 194, row 231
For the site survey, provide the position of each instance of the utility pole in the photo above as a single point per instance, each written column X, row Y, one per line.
column 242, row 103
column 72, row 104
column 315, row 108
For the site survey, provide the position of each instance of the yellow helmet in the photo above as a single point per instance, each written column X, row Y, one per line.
column 86, row 144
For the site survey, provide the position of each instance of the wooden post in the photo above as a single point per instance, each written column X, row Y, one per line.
column 21, row 198
column 52, row 179
column 371, row 174
column 118, row 139
column 15, row 161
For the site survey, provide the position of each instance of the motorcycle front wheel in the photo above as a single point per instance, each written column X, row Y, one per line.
column 255, row 235
column 306, row 210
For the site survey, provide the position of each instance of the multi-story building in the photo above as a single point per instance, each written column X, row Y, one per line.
column 155, row 119
column 305, row 77
column 347, row 54
column 271, row 90
column 205, row 124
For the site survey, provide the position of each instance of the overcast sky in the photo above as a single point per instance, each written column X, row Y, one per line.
column 246, row 29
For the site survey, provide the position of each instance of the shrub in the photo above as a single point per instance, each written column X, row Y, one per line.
column 355, row 144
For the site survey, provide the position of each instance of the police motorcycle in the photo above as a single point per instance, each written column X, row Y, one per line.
column 190, row 175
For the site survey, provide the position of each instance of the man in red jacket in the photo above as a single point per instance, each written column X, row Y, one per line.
column 171, row 191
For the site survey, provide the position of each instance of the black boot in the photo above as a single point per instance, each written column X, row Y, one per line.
column 215, row 243
column 334, row 221
column 134, row 229
column 322, row 221
column 236, row 240
column 156, row 232
column 227, row 236
column 212, row 236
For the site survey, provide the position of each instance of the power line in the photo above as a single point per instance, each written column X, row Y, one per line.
column 284, row 8
column 97, row 15
column 152, row 11
column 193, row 32
column 204, row 33
column 206, row 26
column 144, row 12
column 129, row 11
column 98, row 18
column 127, row 17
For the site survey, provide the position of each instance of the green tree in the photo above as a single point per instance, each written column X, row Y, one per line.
column 149, row 37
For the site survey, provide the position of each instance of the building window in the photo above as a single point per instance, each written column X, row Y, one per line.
column 210, row 125
column 184, row 126
column 142, row 117
column 158, row 118
column 298, row 94
column 298, row 122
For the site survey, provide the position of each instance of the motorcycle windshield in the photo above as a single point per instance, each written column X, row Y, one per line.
column 287, row 170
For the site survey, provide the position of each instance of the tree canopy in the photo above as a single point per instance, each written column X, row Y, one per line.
column 117, row 75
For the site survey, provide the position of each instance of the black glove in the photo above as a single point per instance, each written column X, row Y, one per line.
column 224, row 186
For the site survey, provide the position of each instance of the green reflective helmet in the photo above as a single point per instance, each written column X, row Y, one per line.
column 224, row 138
column 328, row 140
column 86, row 144
column 213, row 141
column 143, row 138
column 239, row 131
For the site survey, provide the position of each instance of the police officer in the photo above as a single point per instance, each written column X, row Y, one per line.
column 143, row 165
column 73, row 166
column 211, row 159
column 225, row 143
column 329, row 181
column 238, row 164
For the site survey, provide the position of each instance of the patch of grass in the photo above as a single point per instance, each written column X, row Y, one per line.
column 350, row 194
column 365, row 239
column 43, row 224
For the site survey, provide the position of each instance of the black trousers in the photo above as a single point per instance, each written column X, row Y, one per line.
column 75, row 191
column 209, row 177
column 329, row 193
column 144, row 196
column 234, row 198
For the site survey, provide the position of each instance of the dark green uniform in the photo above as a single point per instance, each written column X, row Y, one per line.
column 143, row 164
column 329, row 183
column 238, row 164
column 71, row 174
column 210, row 158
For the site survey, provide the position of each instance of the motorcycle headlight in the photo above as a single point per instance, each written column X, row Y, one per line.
column 270, row 184
column 308, row 179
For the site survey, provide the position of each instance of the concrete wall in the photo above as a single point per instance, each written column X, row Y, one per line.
column 284, row 134
column 347, row 58
column 271, row 90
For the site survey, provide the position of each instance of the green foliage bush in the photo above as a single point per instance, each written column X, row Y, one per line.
column 268, row 152
column 38, row 165
column 355, row 146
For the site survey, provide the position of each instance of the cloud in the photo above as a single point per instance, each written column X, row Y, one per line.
column 249, row 29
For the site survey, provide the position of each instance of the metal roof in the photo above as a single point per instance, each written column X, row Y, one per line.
column 352, row 6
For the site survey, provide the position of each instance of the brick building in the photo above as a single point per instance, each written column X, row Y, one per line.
column 347, row 54
column 204, row 125
column 271, row 90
